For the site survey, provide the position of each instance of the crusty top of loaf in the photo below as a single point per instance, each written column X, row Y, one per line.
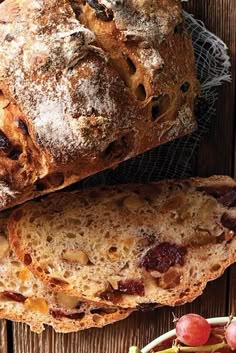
column 84, row 87
column 46, row 51
column 150, row 20
column 37, row 67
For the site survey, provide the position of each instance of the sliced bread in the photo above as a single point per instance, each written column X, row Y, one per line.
column 24, row 298
column 130, row 245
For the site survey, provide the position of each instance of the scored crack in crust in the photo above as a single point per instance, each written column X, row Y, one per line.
column 130, row 245
column 24, row 298
column 86, row 85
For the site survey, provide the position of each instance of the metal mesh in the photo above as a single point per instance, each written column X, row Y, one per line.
column 176, row 159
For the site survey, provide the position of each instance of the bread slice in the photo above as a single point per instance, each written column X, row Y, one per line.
column 24, row 298
column 130, row 245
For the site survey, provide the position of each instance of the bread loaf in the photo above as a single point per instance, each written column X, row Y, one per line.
column 131, row 246
column 24, row 298
column 86, row 85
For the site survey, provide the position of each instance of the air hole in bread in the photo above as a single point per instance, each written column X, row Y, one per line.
column 49, row 239
column 179, row 28
column 52, row 180
column 141, row 92
column 98, row 311
column 22, row 126
column 70, row 235
column 15, row 153
column 131, row 65
column 185, row 87
column 54, row 282
column 16, row 264
column 112, row 249
column 117, row 149
column 215, row 268
column 74, row 221
column 160, row 105
column 89, row 222
column 39, row 186
column 183, row 294
column 5, row 143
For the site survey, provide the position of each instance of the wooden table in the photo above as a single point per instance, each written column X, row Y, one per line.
column 216, row 155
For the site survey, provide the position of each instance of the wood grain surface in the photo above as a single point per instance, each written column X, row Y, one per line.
column 216, row 155
column 3, row 337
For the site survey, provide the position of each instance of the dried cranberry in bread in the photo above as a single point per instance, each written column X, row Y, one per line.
column 130, row 245
column 84, row 87
column 24, row 298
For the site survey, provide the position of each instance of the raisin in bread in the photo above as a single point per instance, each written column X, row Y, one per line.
column 24, row 298
column 80, row 92
column 130, row 245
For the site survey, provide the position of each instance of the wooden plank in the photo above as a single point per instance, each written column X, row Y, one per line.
column 3, row 336
column 215, row 157
column 216, row 152
column 231, row 309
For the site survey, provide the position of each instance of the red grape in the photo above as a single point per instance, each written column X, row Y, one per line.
column 230, row 335
column 193, row 330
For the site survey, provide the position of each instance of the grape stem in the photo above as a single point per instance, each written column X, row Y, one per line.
column 209, row 348
column 178, row 349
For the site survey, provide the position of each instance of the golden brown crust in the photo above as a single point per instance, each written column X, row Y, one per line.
column 79, row 107
column 36, row 321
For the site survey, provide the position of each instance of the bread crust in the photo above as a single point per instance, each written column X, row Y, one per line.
column 67, row 111
column 124, row 225
column 37, row 321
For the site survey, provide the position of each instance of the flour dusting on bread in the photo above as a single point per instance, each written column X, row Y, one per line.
column 6, row 194
column 146, row 19
column 88, row 94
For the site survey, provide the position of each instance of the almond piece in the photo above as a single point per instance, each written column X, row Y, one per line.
column 67, row 301
column 37, row 305
column 4, row 246
column 113, row 283
column 207, row 209
column 78, row 256
column 24, row 274
column 134, row 202
column 173, row 203
column 4, row 102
